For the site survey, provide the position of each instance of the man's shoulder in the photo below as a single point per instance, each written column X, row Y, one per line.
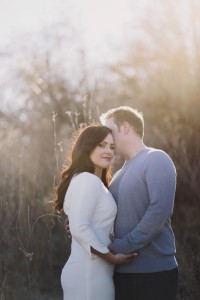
column 158, row 157
column 157, row 153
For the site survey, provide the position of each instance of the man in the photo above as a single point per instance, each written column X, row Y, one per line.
column 144, row 190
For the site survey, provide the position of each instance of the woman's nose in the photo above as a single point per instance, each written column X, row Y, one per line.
column 109, row 150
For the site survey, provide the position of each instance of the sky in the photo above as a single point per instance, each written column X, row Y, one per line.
column 22, row 16
column 100, row 19
column 104, row 25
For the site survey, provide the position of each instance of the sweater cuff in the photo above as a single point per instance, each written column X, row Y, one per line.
column 119, row 246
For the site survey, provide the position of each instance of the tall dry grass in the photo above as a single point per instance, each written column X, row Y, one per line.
column 160, row 76
column 29, row 259
column 34, row 244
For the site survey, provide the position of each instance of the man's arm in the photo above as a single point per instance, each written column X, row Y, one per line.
column 160, row 179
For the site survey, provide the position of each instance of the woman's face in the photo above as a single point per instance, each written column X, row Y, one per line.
column 102, row 154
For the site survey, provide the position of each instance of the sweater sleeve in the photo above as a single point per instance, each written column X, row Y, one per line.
column 160, row 178
column 84, row 193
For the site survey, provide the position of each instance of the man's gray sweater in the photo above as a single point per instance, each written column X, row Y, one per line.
column 144, row 190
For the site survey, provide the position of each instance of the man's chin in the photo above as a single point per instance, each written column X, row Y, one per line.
column 117, row 153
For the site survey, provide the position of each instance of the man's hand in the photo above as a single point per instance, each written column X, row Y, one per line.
column 67, row 228
column 112, row 238
column 110, row 247
column 121, row 258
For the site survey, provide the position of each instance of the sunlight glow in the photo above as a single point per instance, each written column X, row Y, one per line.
column 100, row 20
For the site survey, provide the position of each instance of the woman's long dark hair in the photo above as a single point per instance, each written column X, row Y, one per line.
column 88, row 138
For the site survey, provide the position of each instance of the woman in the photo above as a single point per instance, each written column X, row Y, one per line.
column 91, row 210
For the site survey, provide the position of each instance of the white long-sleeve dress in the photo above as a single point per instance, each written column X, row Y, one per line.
column 91, row 210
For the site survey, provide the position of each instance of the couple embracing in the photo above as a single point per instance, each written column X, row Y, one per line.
column 123, row 246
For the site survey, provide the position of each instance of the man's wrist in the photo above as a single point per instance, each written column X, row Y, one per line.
column 113, row 247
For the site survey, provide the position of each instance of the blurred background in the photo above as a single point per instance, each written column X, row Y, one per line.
column 63, row 63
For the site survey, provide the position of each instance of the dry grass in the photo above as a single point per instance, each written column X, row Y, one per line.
column 34, row 246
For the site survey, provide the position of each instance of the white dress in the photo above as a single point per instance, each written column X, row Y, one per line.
column 91, row 210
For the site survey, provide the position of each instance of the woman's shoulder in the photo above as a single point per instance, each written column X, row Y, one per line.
column 86, row 181
column 87, row 177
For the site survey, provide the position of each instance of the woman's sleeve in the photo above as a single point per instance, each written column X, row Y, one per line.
column 85, row 190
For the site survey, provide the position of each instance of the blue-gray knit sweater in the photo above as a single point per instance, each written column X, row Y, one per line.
column 144, row 190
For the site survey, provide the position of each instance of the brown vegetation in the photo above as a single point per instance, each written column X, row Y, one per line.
column 162, row 81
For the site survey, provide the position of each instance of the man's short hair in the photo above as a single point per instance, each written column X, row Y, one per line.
column 123, row 114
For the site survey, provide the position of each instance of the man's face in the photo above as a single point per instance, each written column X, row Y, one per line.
column 117, row 135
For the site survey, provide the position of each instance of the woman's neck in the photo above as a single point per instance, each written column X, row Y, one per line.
column 98, row 172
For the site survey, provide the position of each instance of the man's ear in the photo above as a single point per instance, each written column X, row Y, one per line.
column 126, row 127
